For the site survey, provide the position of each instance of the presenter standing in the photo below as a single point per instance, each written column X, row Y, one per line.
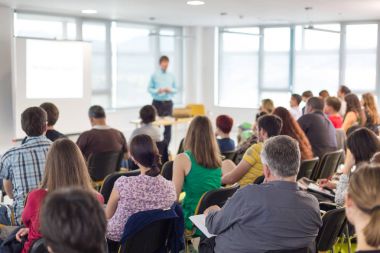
column 162, row 87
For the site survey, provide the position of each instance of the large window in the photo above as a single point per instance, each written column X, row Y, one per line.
column 238, row 85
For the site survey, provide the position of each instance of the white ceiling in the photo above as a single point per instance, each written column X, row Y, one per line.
column 239, row 12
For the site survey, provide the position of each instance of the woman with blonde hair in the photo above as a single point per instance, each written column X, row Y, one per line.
column 65, row 167
column 363, row 207
column 198, row 169
column 370, row 109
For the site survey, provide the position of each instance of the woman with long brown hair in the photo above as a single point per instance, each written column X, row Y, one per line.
column 198, row 169
column 290, row 127
column 370, row 109
column 65, row 167
column 354, row 112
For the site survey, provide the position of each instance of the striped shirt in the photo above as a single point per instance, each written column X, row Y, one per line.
column 24, row 167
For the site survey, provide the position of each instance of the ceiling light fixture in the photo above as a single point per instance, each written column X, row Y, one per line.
column 89, row 11
column 195, row 2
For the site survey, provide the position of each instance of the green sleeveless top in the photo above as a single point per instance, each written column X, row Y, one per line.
column 197, row 182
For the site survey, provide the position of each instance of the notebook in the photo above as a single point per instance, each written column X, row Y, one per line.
column 200, row 222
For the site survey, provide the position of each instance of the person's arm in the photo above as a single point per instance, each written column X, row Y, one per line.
column 181, row 166
column 349, row 120
column 237, row 173
column 112, row 204
column 8, row 188
column 173, row 90
column 153, row 90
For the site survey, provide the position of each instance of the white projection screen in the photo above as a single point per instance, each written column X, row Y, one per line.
column 57, row 72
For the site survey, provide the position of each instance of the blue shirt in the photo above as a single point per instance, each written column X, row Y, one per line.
column 24, row 166
column 162, row 79
column 226, row 145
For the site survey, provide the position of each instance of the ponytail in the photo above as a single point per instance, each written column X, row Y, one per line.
column 155, row 167
column 372, row 230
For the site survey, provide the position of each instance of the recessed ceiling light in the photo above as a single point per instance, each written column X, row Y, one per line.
column 195, row 2
column 89, row 11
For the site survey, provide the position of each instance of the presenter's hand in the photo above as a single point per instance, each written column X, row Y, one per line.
column 168, row 90
column 161, row 90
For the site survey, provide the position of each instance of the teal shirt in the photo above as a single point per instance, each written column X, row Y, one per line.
column 159, row 80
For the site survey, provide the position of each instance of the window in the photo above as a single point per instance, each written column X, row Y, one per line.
column 317, row 58
column 238, row 86
column 361, row 48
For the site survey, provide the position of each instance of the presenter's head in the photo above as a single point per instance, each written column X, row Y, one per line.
column 164, row 63
column 34, row 121
column 97, row 115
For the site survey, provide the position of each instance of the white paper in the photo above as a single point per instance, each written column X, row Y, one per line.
column 200, row 222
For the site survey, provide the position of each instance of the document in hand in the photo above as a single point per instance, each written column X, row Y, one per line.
column 200, row 222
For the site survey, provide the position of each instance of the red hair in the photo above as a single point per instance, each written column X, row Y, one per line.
column 224, row 123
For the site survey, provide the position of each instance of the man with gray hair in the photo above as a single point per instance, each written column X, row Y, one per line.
column 275, row 215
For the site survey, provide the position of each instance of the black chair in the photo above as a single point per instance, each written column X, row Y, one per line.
column 328, row 165
column 102, row 164
column 110, row 180
column 229, row 155
column 259, row 180
column 157, row 235
column 181, row 148
column 303, row 250
column 38, row 247
column 162, row 147
column 307, row 167
column 167, row 170
column 215, row 197
column 333, row 223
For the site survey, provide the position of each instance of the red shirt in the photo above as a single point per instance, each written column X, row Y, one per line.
column 336, row 120
column 31, row 215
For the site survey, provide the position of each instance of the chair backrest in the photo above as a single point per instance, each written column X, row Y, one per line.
column 150, row 239
column 181, row 148
column 302, row 250
column 307, row 167
column 259, row 180
column 333, row 222
column 110, row 180
column 215, row 197
column 167, row 170
column 38, row 247
column 197, row 109
column 229, row 155
column 102, row 164
column 341, row 138
column 162, row 147
column 328, row 165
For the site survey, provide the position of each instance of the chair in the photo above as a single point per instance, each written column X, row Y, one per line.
column 328, row 165
column 307, row 167
column 102, row 164
column 162, row 147
column 303, row 250
column 181, row 148
column 215, row 197
column 333, row 224
column 197, row 109
column 110, row 180
column 38, row 247
column 167, row 170
column 229, row 155
column 259, row 180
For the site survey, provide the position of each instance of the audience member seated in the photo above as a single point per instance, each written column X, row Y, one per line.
column 354, row 112
column 65, row 167
column 362, row 144
column 266, row 107
column 332, row 107
column 224, row 125
column 295, row 109
column 73, row 221
column 198, row 169
column 21, row 168
column 148, row 115
column 290, row 127
column 306, row 95
column 318, row 128
column 342, row 92
column 363, row 207
column 251, row 167
column 101, row 138
column 275, row 215
column 371, row 113
column 52, row 118
column 324, row 94
column 148, row 191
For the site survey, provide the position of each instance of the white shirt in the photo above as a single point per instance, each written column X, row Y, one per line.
column 296, row 112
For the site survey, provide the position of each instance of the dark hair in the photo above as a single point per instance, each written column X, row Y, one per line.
column 33, row 121
column 290, row 127
column 52, row 113
column 363, row 144
column 334, row 103
column 353, row 104
column 297, row 98
column 145, row 152
column 73, row 221
column 307, row 94
column 324, row 94
column 344, row 89
column 163, row 58
column 260, row 114
column 271, row 124
column 97, row 112
column 316, row 103
column 148, row 114
column 224, row 123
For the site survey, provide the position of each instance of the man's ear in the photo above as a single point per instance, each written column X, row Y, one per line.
column 266, row 171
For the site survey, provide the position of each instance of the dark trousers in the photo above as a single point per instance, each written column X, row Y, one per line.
column 165, row 108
